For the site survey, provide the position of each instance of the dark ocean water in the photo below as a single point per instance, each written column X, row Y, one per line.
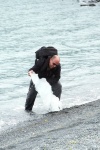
column 25, row 26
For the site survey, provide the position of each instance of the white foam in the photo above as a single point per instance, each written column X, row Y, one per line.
column 50, row 101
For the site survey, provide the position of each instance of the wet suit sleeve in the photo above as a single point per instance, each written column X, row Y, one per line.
column 37, row 65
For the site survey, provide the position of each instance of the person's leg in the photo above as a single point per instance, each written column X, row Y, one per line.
column 31, row 95
column 57, row 89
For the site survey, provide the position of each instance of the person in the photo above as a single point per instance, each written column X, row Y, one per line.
column 50, row 69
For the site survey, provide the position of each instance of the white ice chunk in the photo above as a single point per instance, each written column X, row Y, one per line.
column 50, row 101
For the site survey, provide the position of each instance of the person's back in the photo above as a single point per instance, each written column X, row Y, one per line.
column 44, row 52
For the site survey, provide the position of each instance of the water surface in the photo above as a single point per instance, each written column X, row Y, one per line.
column 25, row 26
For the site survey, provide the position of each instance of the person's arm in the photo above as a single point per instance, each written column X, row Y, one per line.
column 37, row 66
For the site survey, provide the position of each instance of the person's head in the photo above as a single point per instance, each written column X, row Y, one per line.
column 54, row 61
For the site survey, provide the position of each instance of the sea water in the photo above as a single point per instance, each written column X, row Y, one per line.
column 25, row 26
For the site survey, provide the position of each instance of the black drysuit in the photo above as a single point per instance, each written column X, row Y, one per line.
column 52, row 76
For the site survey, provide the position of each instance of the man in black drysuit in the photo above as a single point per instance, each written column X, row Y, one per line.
column 50, row 69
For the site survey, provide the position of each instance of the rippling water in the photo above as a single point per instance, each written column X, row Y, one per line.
column 25, row 26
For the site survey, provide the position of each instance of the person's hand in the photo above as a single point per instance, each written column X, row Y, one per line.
column 30, row 72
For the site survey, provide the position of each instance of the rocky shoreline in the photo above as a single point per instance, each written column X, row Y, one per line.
column 74, row 128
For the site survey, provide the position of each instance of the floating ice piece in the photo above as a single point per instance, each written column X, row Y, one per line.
column 50, row 101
